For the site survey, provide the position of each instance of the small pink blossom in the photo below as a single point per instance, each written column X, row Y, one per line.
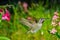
column 55, row 17
column 59, row 23
column 25, row 5
column 6, row 16
column 53, row 31
column 29, row 18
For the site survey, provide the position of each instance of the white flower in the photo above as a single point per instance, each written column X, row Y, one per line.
column 53, row 23
column 42, row 33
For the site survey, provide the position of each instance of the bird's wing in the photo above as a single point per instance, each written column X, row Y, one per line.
column 26, row 22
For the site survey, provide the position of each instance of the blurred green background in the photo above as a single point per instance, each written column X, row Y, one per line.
column 16, row 31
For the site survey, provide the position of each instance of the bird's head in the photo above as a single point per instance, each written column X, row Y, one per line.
column 41, row 20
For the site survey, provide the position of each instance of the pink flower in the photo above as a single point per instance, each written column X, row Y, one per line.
column 53, row 31
column 29, row 18
column 6, row 16
column 55, row 17
column 25, row 5
column 59, row 23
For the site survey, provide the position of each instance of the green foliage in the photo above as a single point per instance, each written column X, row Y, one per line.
column 4, row 38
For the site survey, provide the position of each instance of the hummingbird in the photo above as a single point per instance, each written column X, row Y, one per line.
column 34, row 27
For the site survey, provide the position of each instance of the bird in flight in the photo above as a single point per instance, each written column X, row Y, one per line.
column 34, row 27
